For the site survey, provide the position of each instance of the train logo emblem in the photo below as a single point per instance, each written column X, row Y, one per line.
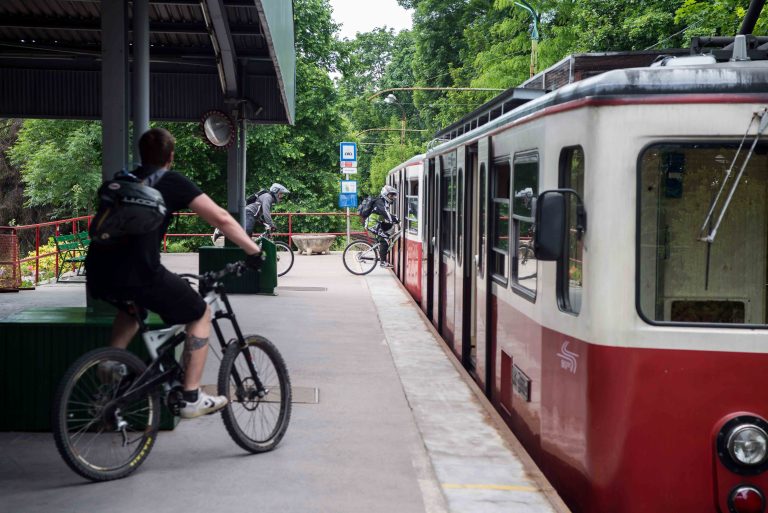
column 567, row 358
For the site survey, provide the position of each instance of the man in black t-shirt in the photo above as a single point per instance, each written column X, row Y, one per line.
column 131, row 270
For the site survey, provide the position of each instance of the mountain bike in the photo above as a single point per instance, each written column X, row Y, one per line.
column 360, row 256
column 283, row 252
column 106, row 411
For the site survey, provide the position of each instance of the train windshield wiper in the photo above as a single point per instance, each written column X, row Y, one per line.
column 709, row 236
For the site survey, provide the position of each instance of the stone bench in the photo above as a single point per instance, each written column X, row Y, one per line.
column 318, row 243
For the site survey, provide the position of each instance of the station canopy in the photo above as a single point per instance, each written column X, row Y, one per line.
column 50, row 58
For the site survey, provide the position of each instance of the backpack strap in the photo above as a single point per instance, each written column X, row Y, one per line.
column 154, row 177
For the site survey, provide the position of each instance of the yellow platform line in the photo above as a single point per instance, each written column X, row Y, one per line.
column 509, row 488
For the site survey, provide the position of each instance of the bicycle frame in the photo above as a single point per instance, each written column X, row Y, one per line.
column 161, row 345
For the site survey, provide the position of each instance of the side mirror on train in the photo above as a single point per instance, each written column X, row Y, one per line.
column 552, row 223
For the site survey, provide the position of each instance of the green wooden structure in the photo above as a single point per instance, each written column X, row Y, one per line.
column 264, row 282
column 36, row 348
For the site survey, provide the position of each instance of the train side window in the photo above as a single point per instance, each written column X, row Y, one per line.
column 570, row 280
column 412, row 200
column 459, row 241
column 525, row 184
column 500, row 175
column 448, row 204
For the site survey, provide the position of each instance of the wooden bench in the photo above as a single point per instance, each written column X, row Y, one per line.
column 72, row 250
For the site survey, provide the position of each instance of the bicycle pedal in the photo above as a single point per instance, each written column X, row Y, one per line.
column 175, row 400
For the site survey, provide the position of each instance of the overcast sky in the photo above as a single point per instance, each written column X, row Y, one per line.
column 365, row 15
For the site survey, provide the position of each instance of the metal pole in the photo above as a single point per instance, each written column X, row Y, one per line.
column 233, row 155
column 347, row 225
column 140, row 73
column 241, row 170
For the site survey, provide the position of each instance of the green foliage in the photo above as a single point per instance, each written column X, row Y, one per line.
column 46, row 266
column 386, row 160
column 719, row 18
column 60, row 164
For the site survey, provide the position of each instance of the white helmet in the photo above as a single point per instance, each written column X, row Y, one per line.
column 386, row 191
column 277, row 188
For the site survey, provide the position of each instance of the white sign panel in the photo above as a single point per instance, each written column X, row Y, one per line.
column 349, row 170
column 349, row 186
column 347, row 151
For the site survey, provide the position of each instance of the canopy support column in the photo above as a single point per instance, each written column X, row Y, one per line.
column 140, row 73
column 115, row 98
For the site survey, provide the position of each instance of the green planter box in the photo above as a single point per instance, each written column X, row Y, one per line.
column 36, row 348
column 215, row 258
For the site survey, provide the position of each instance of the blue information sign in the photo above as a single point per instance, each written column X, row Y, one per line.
column 348, row 200
column 348, row 152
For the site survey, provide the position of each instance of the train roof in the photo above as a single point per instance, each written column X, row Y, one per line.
column 629, row 73
column 417, row 159
column 693, row 75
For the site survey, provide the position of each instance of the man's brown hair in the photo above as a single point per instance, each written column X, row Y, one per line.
column 156, row 147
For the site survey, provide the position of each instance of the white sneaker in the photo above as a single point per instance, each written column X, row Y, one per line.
column 205, row 404
column 386, row 265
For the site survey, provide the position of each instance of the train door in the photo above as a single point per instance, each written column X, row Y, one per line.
column 466, row 242
column 447, row 246
column 400, row 213
column 403, row 216
column 460, row 302
column 428, row 240
column 479, row 351
column 437, row 242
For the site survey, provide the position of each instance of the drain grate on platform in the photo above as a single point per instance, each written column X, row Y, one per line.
column 300, row 395
column 304, row 289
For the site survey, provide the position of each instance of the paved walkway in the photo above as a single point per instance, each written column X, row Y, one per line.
column 397, row 427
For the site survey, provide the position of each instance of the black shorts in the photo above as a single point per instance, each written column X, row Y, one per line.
column 168, row 295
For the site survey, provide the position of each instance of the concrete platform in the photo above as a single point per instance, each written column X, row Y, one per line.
column 393, row 427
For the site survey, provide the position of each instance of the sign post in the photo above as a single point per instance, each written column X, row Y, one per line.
column 348, row 163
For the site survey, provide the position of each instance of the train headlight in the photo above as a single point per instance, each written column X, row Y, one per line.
column 742, row 445
column 748, row 444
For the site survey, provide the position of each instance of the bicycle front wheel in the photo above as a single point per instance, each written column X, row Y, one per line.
column 98, row 437
column 284, row 257
column 259, row 407
column 360, row 257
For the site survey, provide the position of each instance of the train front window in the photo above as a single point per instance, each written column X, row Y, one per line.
column 681, row 278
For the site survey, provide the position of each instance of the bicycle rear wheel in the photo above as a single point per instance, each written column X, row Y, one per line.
column 360, row 257
column 259, row 407
column 98, row 439
column 284, row 256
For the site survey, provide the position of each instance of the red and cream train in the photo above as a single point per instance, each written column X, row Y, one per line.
column 631, row 357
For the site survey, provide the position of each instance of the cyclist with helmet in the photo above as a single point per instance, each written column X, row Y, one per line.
column 129, row 270
column 259, row 207
column 384, row 221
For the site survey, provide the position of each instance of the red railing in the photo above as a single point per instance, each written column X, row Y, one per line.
column 31, row 236
column 289, row 234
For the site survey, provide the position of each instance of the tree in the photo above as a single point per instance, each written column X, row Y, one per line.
column 60, row 163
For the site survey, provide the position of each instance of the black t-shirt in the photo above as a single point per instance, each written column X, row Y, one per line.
column 135, row 260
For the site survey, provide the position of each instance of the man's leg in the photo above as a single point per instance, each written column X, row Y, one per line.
column 250, row 223
column 178, row 303
column 196, row 350
column 383, row 249
column 124, row 327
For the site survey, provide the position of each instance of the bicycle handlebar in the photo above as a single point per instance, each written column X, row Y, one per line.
column 208, row 279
